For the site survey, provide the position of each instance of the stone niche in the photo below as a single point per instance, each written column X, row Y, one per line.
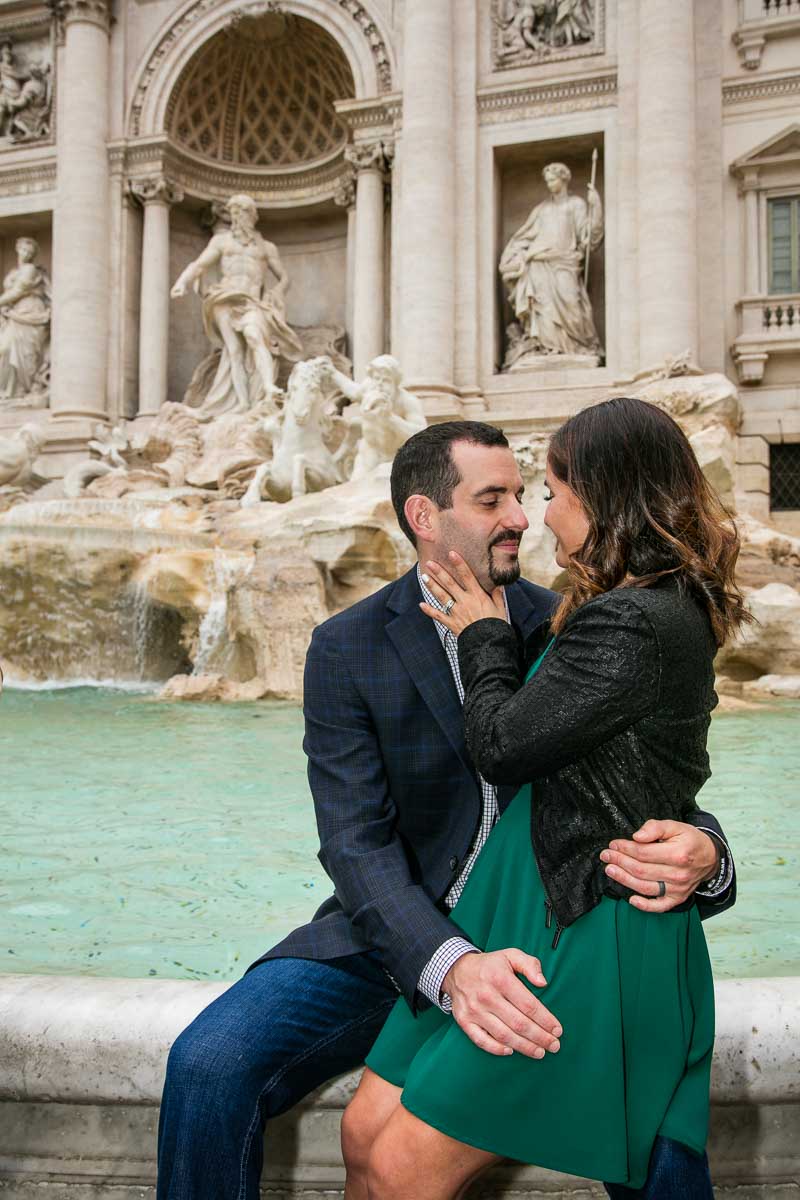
column 312, row 243
column 519, row 188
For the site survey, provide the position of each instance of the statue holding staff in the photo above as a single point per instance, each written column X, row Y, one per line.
column 542, row 269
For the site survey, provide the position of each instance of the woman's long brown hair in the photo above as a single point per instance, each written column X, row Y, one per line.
column 651, row 511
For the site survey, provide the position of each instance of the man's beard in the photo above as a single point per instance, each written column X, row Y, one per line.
column 501, row 576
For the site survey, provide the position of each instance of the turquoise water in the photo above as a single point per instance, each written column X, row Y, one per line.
column 148, row 839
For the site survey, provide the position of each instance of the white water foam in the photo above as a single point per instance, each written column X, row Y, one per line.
column 59, row 685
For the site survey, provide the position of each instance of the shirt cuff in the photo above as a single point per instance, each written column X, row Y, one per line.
column 720, row 883
column 432, row 977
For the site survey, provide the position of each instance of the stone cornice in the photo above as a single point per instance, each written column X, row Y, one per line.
column 26, row 176
column 30, row 19
column 148, row 157
column 382, row 114
column 742, row 91
column 513, row 101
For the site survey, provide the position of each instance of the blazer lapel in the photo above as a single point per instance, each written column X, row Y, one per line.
column 417, row 642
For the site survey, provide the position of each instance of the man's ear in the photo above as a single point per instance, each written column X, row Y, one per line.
column 423, row 517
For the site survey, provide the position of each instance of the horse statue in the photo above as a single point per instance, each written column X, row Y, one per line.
column 301, row 461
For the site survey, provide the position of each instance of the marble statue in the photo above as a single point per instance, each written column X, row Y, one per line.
column 382, row 414
column 18, row 453
column 242, row 315
column 301, row 460
column 542, row 268
column 541, row 26
column 24, row 327
column 25, row 97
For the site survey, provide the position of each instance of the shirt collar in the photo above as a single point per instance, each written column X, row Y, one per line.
column 429, row 598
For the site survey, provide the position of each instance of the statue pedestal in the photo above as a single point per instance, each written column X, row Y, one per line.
column 534, row 360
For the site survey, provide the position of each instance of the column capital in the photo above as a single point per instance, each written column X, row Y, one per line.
column 749, row 178
column 156, row 189
column 376, row 155
column 95, row 12
column 345, row 193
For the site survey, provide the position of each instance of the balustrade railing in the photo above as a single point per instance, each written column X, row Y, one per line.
column 781, row 316
column 780, row 8
column 758, row 10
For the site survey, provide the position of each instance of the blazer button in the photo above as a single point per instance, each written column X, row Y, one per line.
column 453, row 863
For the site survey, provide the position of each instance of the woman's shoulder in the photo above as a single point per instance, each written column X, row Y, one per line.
column 654, row 610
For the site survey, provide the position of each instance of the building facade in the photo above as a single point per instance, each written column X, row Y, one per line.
column 395, row 151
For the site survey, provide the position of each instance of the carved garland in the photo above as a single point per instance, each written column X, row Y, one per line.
column 355, row 9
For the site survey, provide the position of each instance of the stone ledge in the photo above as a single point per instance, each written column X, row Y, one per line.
column 82, row 1063
column 82, row 1040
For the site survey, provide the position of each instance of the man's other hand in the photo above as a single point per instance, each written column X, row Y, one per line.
column 680, row 855
column 495, row 1009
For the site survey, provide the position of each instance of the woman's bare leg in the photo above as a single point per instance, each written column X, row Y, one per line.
column 413, row 1161
column 365, row 1116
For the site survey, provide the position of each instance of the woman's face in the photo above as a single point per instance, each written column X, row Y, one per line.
column 565, row 516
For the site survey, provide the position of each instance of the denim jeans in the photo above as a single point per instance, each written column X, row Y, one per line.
column 280, row 1032
column 276, row 1035
column 675, row 1173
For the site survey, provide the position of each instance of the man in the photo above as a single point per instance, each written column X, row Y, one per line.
column 402, row 817
column 240, row 313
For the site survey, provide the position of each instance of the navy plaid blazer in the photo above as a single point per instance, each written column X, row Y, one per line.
column 397, row 799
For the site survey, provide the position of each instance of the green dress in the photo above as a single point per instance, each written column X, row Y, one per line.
column 634, row 994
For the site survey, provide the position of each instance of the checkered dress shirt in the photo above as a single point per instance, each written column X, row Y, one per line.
column 432, row 977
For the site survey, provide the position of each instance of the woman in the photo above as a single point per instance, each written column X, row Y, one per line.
column 602, row 721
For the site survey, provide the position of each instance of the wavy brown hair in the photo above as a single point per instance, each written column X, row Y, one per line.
column 651, row 511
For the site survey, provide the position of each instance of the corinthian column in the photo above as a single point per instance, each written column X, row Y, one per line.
column 426, row 296
column 156, row 195
column 81, row 220
column 370, row 160
column 345, row 197
column 666, row 182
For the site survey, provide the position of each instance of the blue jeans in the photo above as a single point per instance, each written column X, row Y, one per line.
column 675, row 1173
column 276, row 1035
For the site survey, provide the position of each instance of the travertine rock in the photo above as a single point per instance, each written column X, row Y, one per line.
column 772, row 644
column 785, row 686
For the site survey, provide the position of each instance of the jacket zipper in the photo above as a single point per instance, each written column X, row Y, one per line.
column 548, row 921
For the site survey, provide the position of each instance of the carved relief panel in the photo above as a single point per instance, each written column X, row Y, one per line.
column 526, row 32
column 26, row 82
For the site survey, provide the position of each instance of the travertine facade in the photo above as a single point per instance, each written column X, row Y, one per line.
column 394, row 148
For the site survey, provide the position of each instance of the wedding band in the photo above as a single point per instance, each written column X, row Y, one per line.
column 448, row 608
column 662, row 888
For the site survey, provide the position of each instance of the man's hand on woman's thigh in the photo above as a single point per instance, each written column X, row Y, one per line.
column 495, row 1009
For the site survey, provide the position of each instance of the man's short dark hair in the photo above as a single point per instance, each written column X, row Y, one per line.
column 424, row 465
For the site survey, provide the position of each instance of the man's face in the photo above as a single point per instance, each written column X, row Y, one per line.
column 486, row 521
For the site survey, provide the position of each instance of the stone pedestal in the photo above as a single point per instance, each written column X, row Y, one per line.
column 370, row 160
column 156, row 195
column 666, row 182
column 427, row 290
column 81, row 217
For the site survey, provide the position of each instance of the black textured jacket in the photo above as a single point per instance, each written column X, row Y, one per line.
column 611, row 730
